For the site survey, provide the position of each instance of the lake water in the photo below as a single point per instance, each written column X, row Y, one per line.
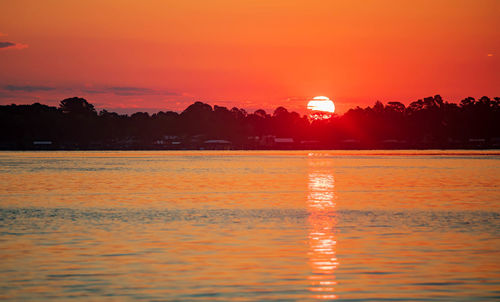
column 250, row 226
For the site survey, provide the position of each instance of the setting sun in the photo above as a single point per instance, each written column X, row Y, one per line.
column 320, row 107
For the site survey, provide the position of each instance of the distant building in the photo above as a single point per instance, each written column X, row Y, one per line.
column 392, row 143
column 477, row 140
column 350, row 141
column 267, row 140
column 283, row 140
column 217, row 144
column 159, row 142
column 170, row 137
column 310, row 144
column 42, row 143
column 271, row 141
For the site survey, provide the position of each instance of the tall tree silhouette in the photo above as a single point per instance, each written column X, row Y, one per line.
column 77, row 106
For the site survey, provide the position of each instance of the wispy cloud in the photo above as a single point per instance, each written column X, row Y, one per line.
column 116, row 90
column 27, row 88
column 129, row 91
column 7, row 45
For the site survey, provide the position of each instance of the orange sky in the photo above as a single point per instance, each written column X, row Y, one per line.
column 247, row 53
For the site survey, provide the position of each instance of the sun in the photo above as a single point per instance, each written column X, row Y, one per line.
column 320, row 108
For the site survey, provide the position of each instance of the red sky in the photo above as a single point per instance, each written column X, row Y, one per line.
column 164, row 55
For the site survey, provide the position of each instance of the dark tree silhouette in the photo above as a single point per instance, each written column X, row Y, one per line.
column 430, row 122
column 76, row 105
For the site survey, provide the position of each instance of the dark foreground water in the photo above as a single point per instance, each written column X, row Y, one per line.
column 250, row 226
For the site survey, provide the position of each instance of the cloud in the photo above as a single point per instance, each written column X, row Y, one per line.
column 129, row 91
column 123, row 91
column 27, row 88
column 6, row 45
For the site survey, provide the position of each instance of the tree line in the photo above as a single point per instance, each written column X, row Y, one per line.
column 426, row 123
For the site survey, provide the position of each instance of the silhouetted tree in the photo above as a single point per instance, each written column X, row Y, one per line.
column 76, row 105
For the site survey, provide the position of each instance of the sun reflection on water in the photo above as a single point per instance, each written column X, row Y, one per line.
column 322, row 241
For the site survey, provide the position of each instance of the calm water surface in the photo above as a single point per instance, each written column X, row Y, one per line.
column 250, row 226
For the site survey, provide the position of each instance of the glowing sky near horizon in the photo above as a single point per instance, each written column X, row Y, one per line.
column 137, row 55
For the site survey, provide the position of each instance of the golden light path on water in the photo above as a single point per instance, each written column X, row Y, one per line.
column 322, row 241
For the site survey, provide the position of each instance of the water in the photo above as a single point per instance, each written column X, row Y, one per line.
column 250, row 226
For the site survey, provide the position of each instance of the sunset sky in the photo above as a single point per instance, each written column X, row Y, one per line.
column 163, row 55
